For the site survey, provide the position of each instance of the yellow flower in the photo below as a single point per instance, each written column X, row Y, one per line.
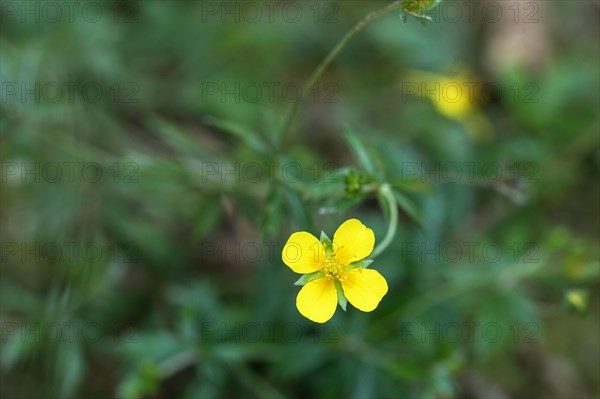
column 457, row 96
column 335, row 271
column 577, row 299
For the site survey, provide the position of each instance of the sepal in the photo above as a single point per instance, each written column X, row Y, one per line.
column 342, row 301
column 327, row 244
column 307, row 278
column 360, row 264
column 324, row 239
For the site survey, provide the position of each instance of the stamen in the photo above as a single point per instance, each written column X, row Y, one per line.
column 331, row 267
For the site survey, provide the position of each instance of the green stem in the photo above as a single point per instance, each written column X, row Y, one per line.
column 289, row 120
column 386, row 194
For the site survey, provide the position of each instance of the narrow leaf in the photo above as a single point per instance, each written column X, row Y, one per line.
column 297, row 207
column 307, row 278
column 271, row 213
column 409, row 207
column 361, row 264
column 360, row 152
column 324, row 239
column 342, row 301
column 252, row 139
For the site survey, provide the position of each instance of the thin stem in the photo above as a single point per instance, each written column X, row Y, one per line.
column 386, row 194
column 289, row 120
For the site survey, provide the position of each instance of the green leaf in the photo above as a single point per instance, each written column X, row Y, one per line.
column 70, row 361
column 419, row 7
column 421, row 17
column 341, row 205
column 272, row 213
column 411, row 184
column 343, row 302
column 309, row 277
column 176, row 138
column 361, row 264
column 207, row 215
column 360, row 152
column 409, row 207
column 252, row 139
column 141, row 383
column 296, row 207
column 324, row 239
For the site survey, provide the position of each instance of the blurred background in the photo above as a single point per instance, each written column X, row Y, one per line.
column 148, row 188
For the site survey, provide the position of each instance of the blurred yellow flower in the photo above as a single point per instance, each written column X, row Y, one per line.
column 335, row 271
column 456, row 96
column 577, row 299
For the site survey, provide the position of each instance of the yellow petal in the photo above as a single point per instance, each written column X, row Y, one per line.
column 364, row 288
column 303, row 253
column 352, row 241
column 317, row 300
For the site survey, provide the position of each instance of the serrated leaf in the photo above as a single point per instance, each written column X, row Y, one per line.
column 342, row 301
column 361, row 264
column 309, row 277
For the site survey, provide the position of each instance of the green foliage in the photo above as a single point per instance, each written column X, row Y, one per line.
column 189, row 297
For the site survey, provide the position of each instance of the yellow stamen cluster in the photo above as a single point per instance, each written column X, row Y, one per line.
column 332, row 267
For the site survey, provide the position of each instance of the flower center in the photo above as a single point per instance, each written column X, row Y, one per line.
column 331, row 267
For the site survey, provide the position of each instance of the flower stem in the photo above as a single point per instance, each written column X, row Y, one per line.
column 289, row 119
column 387, row 196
